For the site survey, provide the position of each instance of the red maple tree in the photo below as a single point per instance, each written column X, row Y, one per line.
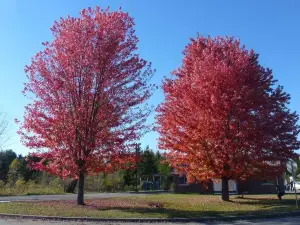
column 224, row 117
column 89, row 89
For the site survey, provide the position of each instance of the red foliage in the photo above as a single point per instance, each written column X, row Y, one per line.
column 89, row 89
column 224, row 116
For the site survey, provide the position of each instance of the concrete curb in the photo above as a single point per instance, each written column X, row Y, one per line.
column 153, row 220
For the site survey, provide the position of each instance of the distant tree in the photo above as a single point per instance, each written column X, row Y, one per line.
column 130, row 174
column 26, row 172
column 15, row 171
column 6, row 158
column 148, row 163
column 129, row 177
column 164, row 167
column 224, row 117
column 4, row 130
column 158, row 156
column 162, row 164
column 297, row 172
column 90, row 88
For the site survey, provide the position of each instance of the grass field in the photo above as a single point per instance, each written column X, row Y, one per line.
column 156, row 206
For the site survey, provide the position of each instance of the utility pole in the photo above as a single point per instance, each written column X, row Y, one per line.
column 136, row 167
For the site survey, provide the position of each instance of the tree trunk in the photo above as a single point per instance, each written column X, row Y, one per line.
column 80, row 192
column 225, row 189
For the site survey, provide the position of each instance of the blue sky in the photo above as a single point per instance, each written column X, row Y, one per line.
column 164, row 27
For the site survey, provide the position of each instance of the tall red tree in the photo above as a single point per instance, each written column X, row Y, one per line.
column 223, row 116
column 89, row 89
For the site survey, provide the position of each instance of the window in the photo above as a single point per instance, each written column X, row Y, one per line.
column 182, row 179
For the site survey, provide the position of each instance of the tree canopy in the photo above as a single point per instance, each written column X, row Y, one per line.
column 89, row 88
column 224, row 115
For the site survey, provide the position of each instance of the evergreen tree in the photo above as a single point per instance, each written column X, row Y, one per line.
column 130, row 175
column 15, row 170
column 148, row 163
column 6, row 158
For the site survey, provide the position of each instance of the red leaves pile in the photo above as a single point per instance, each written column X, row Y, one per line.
column 109, row 204
column 224, row 116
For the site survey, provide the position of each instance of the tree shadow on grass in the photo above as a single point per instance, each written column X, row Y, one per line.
column 175, row 213
column 270, row 204
column 267, row 207
column 171, row 213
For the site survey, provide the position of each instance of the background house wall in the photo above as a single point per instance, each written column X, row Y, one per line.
column 181, row 186
column 250, row 186
column 253, row 186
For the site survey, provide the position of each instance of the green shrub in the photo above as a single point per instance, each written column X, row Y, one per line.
column 104, row 183
column 30, row 188
column 2, row 184
column 172, row 187
column 56, row 182
column 32, row 184
column 20, row 183
column 129, row 188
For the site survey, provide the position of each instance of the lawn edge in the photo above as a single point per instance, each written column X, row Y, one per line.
column 147, row 220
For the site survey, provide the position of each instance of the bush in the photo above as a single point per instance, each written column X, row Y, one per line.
column 94, row 183
column 30, row 188
column 167, row 183
column 172, row 187
column 2, row 184
column 20, row 183
column 104, row 182
column 129, row 188
column 57, row 182
column 32, row 184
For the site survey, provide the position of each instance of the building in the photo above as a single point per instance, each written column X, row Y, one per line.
column 250, row 186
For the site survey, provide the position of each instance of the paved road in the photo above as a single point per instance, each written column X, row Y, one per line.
column 283, row 221
column 68, row 196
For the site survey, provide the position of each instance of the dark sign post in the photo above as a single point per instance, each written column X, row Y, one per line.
column 136, row 166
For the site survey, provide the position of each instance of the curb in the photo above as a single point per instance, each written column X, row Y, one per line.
column 152, row 220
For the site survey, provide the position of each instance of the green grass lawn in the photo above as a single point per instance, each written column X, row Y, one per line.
column 156, row 206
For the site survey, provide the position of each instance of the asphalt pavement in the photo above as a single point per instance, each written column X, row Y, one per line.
column 68, row 196
column 74, row 196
